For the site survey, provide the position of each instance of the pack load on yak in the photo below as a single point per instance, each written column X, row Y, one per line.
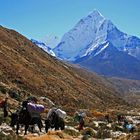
column 62, row 114
column 35, row 108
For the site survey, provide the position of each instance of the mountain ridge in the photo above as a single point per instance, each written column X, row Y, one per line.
column 107, row 63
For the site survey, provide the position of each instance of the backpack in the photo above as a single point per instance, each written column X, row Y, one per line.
column 2, row 104
column 78, row 118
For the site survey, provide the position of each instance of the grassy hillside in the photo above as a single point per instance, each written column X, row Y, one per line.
column 129, row 89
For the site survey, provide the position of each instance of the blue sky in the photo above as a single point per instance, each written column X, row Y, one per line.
column 38, row 18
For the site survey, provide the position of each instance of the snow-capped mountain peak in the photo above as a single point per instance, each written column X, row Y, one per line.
column 89, row 33
column 93, row 19
column 83, row 35
column 96, row 15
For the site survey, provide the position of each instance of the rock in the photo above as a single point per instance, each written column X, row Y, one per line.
column 71, row 131
column 4, row 133
column 117, row 134
column 6, row 128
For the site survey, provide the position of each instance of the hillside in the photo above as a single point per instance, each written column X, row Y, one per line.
column 129, row 89
column 28, row 70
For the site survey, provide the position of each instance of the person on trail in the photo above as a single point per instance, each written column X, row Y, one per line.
column 81, row 123
column 5, row 107
column 129, row 126
column 119, row 118
column 79, row 117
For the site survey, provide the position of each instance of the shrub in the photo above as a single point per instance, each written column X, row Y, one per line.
column 10, row 137
column 89, row 131
column 2, row 119
column 3, row 89
column 71, row 132
column 103, row 133
column 14, row 94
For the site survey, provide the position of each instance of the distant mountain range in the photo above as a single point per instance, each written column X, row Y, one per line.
column 43, row 46
column 98, row 45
